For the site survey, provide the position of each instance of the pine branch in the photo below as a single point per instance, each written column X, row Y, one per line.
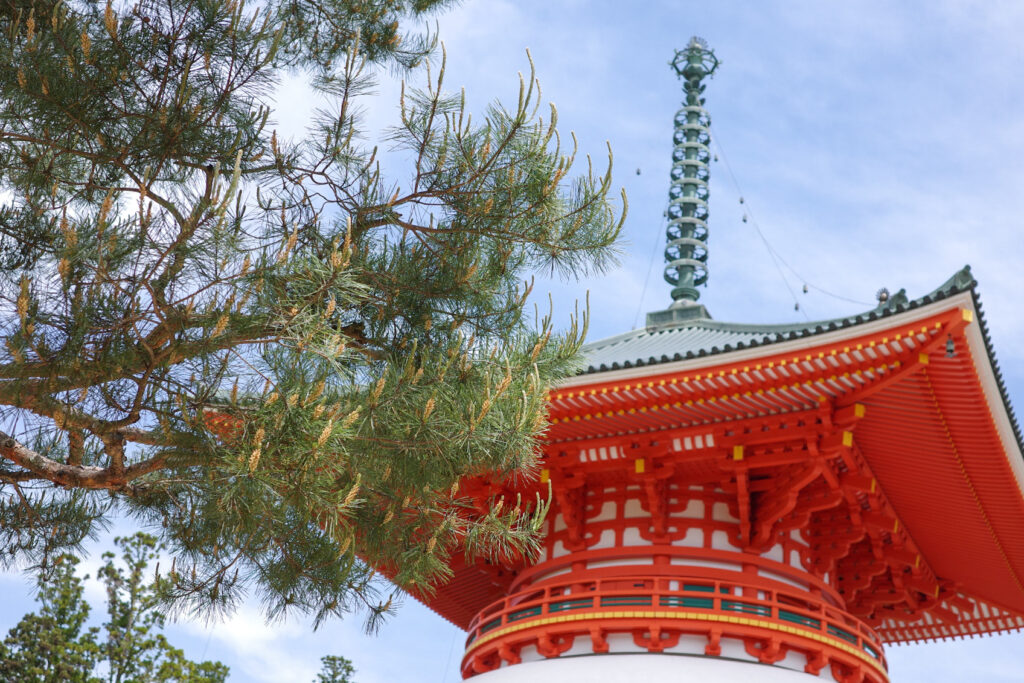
column 271, row 351
column 78, row 476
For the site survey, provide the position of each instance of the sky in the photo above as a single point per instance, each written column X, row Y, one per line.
column 875, row 144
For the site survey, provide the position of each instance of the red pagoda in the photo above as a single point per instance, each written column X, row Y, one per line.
column 748, row 502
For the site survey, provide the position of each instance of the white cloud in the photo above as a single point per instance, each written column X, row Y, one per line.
column 263, row 652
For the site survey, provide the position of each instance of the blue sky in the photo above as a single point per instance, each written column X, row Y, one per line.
column 876, row 144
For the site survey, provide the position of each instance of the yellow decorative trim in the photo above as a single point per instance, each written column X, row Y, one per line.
column 689, row 616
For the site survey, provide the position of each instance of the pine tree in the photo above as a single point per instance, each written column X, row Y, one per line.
column 335, row 669
column 270, row 351
column 54, row 646
column 134, row 647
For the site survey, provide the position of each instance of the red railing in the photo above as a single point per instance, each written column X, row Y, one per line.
column 692, row 595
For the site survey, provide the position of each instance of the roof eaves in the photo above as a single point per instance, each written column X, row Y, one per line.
column 997, row 373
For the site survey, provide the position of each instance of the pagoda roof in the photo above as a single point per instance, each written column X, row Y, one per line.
column 937, row 436
column 702, row 336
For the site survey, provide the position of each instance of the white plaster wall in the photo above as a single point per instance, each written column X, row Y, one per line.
column 629, row 668
column 607, row 512
column 720, row 513
column 720, row 541
column 694, row 538
column 607, row 540
column 633, row 509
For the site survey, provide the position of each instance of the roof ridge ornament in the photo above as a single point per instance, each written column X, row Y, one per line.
column 686, row 251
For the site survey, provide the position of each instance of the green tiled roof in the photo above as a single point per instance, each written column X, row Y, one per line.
column 698, row 337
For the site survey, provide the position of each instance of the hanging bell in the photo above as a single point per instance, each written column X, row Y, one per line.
column 744, row 218
column 805, row 289
column 741, row 200
column 796, row 306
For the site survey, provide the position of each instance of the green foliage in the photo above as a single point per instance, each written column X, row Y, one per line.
column 335, row 670
column 134, row 647
column 54, row 646
column 277, row 356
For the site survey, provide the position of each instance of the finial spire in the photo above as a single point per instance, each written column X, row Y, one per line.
column 687, row 251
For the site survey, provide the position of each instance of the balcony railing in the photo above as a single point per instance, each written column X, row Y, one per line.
column 662, row 595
